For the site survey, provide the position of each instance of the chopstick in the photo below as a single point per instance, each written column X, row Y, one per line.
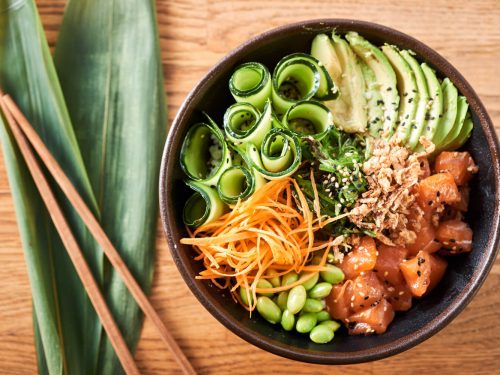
column 24, row 132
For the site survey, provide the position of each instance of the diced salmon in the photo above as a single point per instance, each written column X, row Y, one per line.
column 375, row 319
column 338, row 301
column 438, row 269
column 362, row 258
column 388, row 261
column 455, row 235
column 425, row 240
column 437, row 189
column 417, row 273
column 459, row 164
column 463, row 204
column 399, row 296
column 367, row 290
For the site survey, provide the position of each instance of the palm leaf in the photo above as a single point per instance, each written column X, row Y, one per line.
column 67, row 329
column 108, row 61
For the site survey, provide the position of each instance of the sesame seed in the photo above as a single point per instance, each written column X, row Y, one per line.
column 401, row 293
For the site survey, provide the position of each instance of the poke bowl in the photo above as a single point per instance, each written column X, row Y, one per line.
column 465, row 273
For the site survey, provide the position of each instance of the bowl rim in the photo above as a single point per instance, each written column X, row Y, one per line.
column 431, row 327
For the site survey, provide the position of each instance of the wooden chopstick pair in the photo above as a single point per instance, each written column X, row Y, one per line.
column 25, row 135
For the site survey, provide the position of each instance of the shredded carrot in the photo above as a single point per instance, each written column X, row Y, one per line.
column 272, row 231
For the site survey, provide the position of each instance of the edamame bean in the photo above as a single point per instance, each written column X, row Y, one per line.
column 320, row 290
column 321, row 334
column 322, row 316
column 306, row 323
column 244, row 297
column 331, row 324
column 316, row 260
column 313, row 305
column 332, row 275
column 268, row 309
column 281, row 300
column 296, row 299
column 311, row 282
column 287, row 320
column 289, row 278
column 264, row 284
column 275, row 280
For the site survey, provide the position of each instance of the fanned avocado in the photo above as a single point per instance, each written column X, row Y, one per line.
column 450, row 100
column 435, row 105
column 464, row 134
column 349, row 109
column 374, row 101
column 462, row 108
column 386, row 78
column 408, row 93
column 423, row 99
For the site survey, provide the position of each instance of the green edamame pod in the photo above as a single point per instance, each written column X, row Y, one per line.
column 313, row 305
column 268, row 309
column 332, row 275
column 289, row 278
column 320, row 290
column 323, row 315
column 331, row 324
column 275, row 280
column 321, row 334
column 264, row 284
column 287, row 320
column 306, row 322
column 309, row 284
column 244, row 296
column 296, row 299
column 281, row 300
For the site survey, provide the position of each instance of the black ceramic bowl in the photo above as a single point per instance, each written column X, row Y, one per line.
column 465, row 273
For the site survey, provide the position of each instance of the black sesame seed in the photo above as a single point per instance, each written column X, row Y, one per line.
column 410, row 100
column 380, row 102
column 407, row 117
column 414, row 126
column 438, row 193
column 389, row 89
column 366, row 297
column 388, row 118
column 419, row 273
column 452, row 240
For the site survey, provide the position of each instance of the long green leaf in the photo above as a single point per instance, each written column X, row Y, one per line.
column 108, row 60
column 68, row 331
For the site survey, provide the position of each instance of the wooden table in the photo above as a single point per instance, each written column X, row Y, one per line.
column 195, row 34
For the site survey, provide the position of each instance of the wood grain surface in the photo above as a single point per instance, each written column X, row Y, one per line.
column 195, row 34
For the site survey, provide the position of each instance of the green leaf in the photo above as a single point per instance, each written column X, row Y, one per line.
column 68, row 331
column 108, row 61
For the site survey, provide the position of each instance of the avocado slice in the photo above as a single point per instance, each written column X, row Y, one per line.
column 464, row 134
column 386, row 78
column 423, row 98
column 374, row 101
column 435, row 104
column 349, row 109
column 450, row 100
column 407, row 88
column 455, row 132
